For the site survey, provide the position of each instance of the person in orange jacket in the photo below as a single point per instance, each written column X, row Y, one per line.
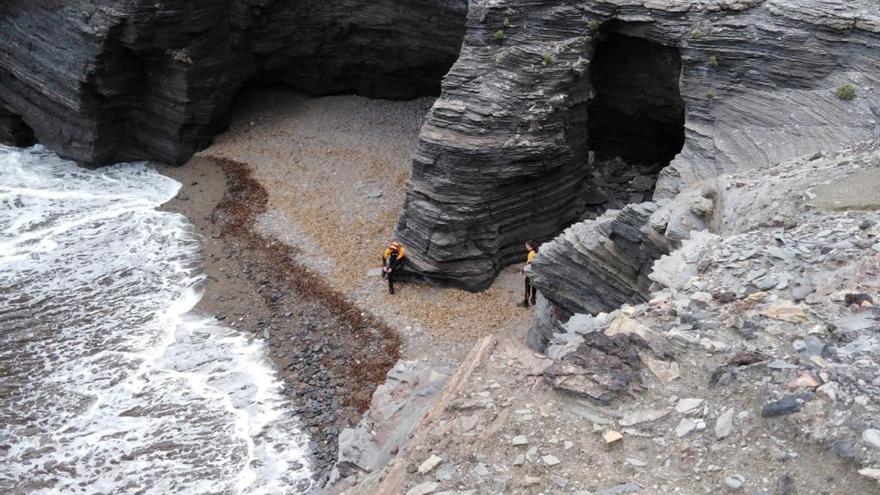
column 531, row 292
column 392, row 259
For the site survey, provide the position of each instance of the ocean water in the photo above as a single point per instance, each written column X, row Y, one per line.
column 109, row 383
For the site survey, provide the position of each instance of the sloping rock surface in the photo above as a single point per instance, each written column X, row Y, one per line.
column 597, row 266
column 103, row 81
column 770, row 321
column 396, row 409
column 503, row 156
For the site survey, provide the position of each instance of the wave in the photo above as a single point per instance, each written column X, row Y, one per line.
column 110, row 383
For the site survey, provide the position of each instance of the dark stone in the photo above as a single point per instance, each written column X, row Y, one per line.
column 857, row 299
column 785, row 486
column 599, row 369
column 845, row 448
column 745, row 358
column 789, row 404
column 724, row 297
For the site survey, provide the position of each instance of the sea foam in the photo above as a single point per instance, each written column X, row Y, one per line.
column 109, row 383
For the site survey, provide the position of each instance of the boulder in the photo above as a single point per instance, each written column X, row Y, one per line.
column 396, row 409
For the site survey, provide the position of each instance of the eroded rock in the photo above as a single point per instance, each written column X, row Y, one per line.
column 600, row 368
column 396, row 408
column 105, row 81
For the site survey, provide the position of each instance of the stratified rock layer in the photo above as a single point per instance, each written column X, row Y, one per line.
column 103, row 81
column 503, row 156
column 597, row 265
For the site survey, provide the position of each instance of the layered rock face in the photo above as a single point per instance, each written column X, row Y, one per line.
column 103, row 81
column 595, row 266
column 503, row 156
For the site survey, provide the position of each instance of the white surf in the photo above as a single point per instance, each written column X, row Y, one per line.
column 108, row 382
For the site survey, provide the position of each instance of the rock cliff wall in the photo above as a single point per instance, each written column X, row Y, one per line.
column 103, row 81
column 503, row 156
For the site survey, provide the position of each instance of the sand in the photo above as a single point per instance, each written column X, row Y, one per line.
column 334, row 169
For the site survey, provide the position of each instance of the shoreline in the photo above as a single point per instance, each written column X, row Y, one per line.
column 313, row 186
column 330, row 354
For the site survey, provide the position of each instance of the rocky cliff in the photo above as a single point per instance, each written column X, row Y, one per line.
column 504, row 157
column 720, row 85
column 103, row 81
column 746, row 360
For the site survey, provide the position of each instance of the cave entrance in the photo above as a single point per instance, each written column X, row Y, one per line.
column 635, row 117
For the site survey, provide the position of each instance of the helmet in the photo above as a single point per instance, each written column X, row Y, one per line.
column 394, row 246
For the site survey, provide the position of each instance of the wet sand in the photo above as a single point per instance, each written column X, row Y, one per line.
column 330, row 355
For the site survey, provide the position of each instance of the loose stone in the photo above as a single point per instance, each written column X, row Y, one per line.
column 519, row 440
column 724, row 425
column 871, row 438
column 423, row 488
column 734, row 482
column 429, row 464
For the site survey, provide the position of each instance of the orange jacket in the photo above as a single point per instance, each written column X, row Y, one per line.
column 388, row 252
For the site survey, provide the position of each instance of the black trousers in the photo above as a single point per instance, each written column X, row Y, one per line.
column 531, row 292
column 394, row 265
column 390, row 277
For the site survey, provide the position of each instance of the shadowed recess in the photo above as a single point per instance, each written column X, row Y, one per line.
column 636, row 111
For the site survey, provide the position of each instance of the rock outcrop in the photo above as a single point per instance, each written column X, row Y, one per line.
column 397, row 407
column 503, row 156
column 104, row 81
column 599, row 265
column 768, row 321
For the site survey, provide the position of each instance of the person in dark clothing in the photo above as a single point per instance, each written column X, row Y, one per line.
column 392, row 260
column 531, row 293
